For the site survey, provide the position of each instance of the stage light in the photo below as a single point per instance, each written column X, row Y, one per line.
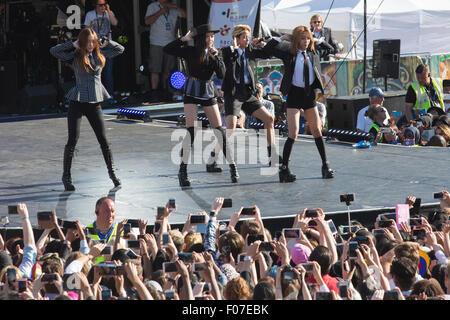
column 349, row 136
column 177, row 79
column 133, row 114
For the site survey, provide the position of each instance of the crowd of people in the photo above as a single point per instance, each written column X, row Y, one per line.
column 208, row 258
column 425, row 121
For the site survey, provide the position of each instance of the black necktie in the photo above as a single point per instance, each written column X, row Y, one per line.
column 242, row 71
column 91, row 59
column 306, row 73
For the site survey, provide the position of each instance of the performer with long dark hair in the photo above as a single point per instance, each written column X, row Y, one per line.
column 301, row 79
column 89, row 56
column 203, row 60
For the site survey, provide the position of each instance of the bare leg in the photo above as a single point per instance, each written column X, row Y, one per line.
column 315, row 124
column 293, row 117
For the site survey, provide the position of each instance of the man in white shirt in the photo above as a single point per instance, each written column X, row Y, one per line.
column 161, row 16
column 376, row 96
column 100, row 19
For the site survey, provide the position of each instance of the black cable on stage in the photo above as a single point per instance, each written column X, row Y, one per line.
column 354, row 43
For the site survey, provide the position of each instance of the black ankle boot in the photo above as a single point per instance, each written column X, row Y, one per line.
column 212, row 167
column 327, row 173
column 107, row 155
column 234, row 173
column 280, row 161
column 182, row 176
column 285, row 174
column 67, row 164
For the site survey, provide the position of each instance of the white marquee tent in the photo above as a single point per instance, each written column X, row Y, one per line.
column 422, row 26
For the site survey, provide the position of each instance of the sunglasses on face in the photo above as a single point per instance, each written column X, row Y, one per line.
column 101, row 5
column 317, row 21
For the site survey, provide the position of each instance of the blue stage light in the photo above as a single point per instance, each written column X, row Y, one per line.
column 177, row 79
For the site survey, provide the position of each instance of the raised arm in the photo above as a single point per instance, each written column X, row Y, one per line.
column 326, row 235
column 132, row 275
column 64, row 51
column 57, row 227
column 178, row 47
column 29, row 254
column 210, row 235
column 112, row 16
column 277, row 47
column 219, row 66
column 151, row 18
column 112, row 49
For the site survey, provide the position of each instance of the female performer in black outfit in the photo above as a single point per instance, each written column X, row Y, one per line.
column 88, row 57
column 203, row 61
column 301, row 79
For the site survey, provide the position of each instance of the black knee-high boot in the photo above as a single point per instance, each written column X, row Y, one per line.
column 185, row 153
column 211, row 165
column 327, row 173
column 285, row 174
column 107, row 155
column 269, row 154
column 229, row 155
column 67, row 164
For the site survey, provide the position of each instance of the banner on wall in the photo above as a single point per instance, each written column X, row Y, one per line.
column 225, row 14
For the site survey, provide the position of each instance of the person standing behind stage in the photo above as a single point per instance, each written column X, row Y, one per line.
column 85, row 98
column 301, row 79
column 423, row 94
column 161, row 16
column 323, row 39
column 239, row 86
column 100, row 19
column 203, row 61
column 376, row 97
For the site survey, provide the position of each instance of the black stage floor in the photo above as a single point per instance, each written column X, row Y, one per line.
column 31, row 168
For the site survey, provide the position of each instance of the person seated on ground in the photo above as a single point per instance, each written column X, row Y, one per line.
column 443, row 131
column 411, row 136
column 437, row 141
column 427, row 128
column 376, row 97
column 380, row 132
column 443, row 120
column 266, row 103
column 436, row 112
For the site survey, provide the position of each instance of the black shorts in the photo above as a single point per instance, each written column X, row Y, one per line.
column 201, row 102
column 246, row 102
column 297, row 98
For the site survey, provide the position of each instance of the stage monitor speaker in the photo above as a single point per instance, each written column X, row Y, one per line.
column 386, row 58
column 39, row 99
column 342, row 112
column 8, row 86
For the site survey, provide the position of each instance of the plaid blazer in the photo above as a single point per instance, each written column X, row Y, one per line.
column 89, row 87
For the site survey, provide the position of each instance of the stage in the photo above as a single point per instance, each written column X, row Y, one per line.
column 31, row 153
